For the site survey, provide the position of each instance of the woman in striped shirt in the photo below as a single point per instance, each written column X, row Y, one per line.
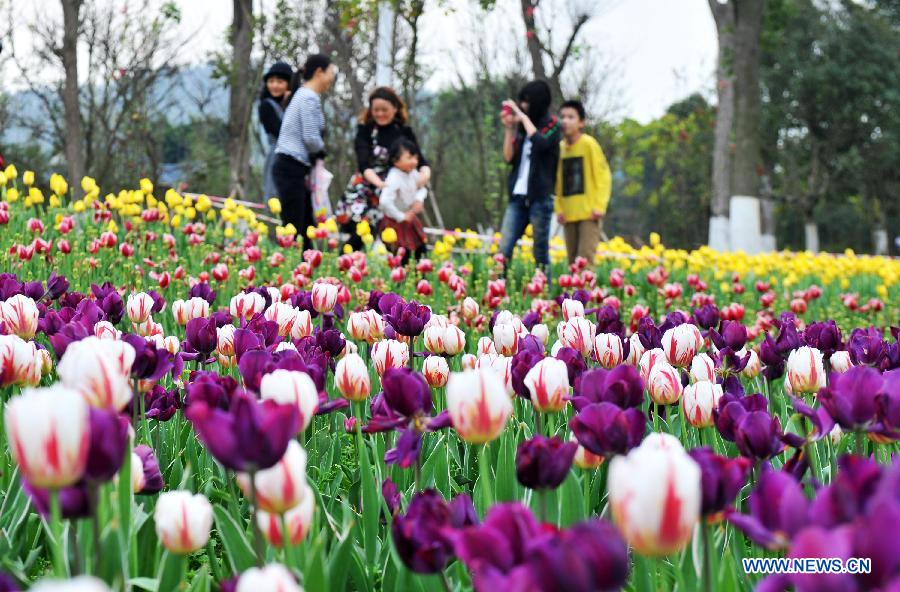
column 300, row 144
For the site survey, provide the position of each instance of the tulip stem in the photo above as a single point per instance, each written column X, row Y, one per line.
column 655, row 416
column 542, row 504
column 707, row 557
column 257, row 536
column 485, row 476
column 445, row 583
column 56, row 544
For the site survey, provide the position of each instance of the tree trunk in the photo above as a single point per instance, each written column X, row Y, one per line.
column 239, row 102
column 534, row 46
column 722, row 154
column 74, row 139
column 747, row 112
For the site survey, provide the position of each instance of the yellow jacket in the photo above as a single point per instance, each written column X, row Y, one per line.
column 583, row 180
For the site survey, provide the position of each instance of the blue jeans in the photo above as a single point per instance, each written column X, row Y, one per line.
column 518, row 214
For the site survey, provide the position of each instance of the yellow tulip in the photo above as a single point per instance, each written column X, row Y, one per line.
column 310, row 232
column 78, row 206
column 12, row 194
column 11, row 172
column 54, row 201
column 368, row 239
column 2, row 179
column 203, row 204
column 28, row 178
column 228, row 232
column 275, row 205
column 88, row 184
column 363, row 228
column 347, row 249
column 146, row 186
column 331, row 226
column 35, row 195
column 190, row 213
column 389, row 236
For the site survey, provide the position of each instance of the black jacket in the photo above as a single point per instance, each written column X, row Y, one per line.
column 384, row 137
column 544, row 158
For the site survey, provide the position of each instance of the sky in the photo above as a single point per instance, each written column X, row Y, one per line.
column 660, row 50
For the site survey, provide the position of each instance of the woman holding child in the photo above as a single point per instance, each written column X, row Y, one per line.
column 381, row 125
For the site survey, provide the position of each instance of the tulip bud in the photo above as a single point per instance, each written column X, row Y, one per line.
column 698, row 402
column 302, row 326
column 376, row 325
column 840, row 361
column 183, row 521
column 584, row 458
column 577, row 333
column 542, row 333
column 139, row 307
column 297, row 520
column 608, row 350
column 351, row 378
column 636, row 351
column 389, row 353
column 703, row 368
column 506, row 339
column 271, row 577
column 658, row 520
column 20, row 315
column 225, row 340
column 358, row 326
column 478, row 405
column 106, row 330
column 324, row 296
column 548, row 384
column 454, row 340
column 284, row 315
column 486, row 346
column 649, row 360
column 468, row 361
column 246, row 304
column 469, row 308
column 185, row 311
column 805, row 370
column 571, row 309
column 98, row 369
column 433, row 339
column 751, row 370
column 48, row 431
column 283, row 485
column 76, row 584
column 436, row 371
column 502, row 366
column 664, row 384
column 20, row 361
column 681, row 344
column 292, row 387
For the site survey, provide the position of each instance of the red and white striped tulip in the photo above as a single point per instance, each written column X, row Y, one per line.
column 351, row 378
column 98, row 369
column 454, row 340
column 433, row 339
column 577, row 333
column 185, row 311
column 703, row 368
column 469, row 308
column 657, row 520
column 283, row 485
column 274, row 577
column 139, row 306
column 284, row 315
column 753, row 367
column 246, row 304
column 21, row 363
column 664, row 384
column 698, row 402
column 297, row 520
column 358, row 326
column 636, row 351
column 584, row 458
column 303, row 326
column 548, row 384
column 183, row 521
column 148, row 328
column 376, row 325
column 681, row 344
column 501, row 365
column 478, row 405
column 649, row 360
column 608, row 350
column 225, row 340
column 840, row 361
column 506, row 339
column 389, row 353
column 20, row 315
column 486, row 346
column 106, row 330
column 805, row 371
column 48, row 431
column 542, row 333
column 292, row 387
column 324, row 296
column 571, row 309
column 436, row 371
column 468, row 361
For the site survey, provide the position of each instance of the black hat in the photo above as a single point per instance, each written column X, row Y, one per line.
column 281, row 70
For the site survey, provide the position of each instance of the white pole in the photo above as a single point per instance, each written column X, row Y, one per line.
column 383, row 74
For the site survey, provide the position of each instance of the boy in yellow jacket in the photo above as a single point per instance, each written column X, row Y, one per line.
column 583, row 184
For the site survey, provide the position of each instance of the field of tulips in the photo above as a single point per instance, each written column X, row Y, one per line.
column 193, row 401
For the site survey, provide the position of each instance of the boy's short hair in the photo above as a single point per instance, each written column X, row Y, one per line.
column 577, row 105
column 400, row 146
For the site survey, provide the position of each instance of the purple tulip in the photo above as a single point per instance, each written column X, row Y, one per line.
column 8, row 583
column 151, row 363
column 825, row 337
column 522, row 362
column 731, row 408
column 499, row 544
column 621, row 386
column 67, row 335
column 733, row 335
column 649, row 335
column 820, row 420
column 56, row 286
column 888, row 401
column 532, row 343
column 819, row 542
column 850, row 397
column 203, row 290
column 407, row 392
column 544, row 463
column 707, row 316
column 160, row 404
column 772, row 361
column 605, row 429
column 407, row 319
column 201, row 337
column 109, row 301
column 575, row 363
column 866, row 346
column 530, row 319
column 846, row 497
column 407, row 451
column 221, row 318
column 758, row 435
column 721, row 479
column 153, row 479
column 331, row 342
column 462, row 512
column 778, row 510
column 74, row 501
column 34, row 290
column 109, row 437
column 788, row 338
column 71, row 299
column 211, row 388
column 609, row 321
column 303, row 301
column 588, row 556
column 391, row 494
column 420, row 535
column 250, row 435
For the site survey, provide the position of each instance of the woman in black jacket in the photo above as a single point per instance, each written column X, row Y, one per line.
column 271, row 110
column 380, row 125
column 531, row 146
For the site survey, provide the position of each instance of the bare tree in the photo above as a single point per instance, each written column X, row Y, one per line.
column 240, row 93
column 68, row 54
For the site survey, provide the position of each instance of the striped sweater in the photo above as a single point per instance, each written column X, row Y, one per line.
column 302, row 127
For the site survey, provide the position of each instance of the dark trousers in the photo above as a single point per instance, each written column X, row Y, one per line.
column 292, row 180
